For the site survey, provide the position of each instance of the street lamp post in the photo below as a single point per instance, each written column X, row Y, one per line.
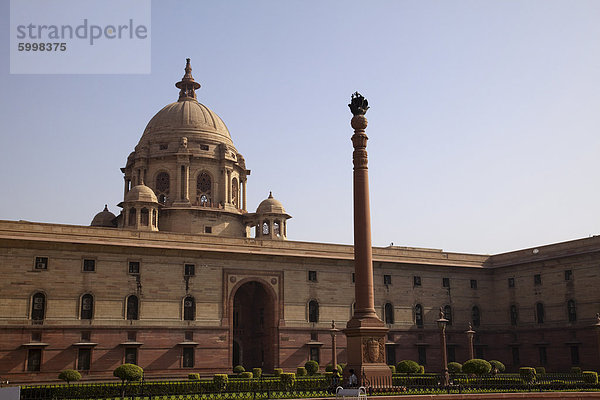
column 442, row 322
column 470, row 333
column 333, row 331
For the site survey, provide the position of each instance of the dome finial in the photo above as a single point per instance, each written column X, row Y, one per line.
column 270, row 195
column 187, row 84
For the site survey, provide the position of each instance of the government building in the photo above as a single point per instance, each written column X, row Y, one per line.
column 185, row 278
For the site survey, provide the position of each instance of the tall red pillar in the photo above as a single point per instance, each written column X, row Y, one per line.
column 365, row 332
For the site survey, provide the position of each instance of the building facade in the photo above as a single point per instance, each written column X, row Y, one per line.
column 185, row 279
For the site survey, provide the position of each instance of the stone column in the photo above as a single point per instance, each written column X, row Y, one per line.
column 333, row 331
column 470, row 333
column 244, row 194
column 365, row 332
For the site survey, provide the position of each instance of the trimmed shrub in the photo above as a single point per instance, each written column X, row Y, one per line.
column 220, row 381
column 300, row 371
column 128, row 372
column 312, row 367
column 575, row 370
column 238, row 369
column 288, row 379
column 246, row 375
column 421, row 369
column 476, row 366
column 408, row 367
column 497, row 366
column 590, row 377
column 257, row 372
column 69, row 375
column 454, row 367
column 194, row 377
column 527, row 374
column 540, row 370
column 277, row 371
column 392, row 368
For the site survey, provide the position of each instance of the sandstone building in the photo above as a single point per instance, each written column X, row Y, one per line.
column 185, row 278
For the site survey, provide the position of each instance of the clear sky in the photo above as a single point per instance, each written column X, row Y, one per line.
column 484, row 127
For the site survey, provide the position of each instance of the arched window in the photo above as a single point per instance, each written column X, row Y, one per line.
column 419, row 315
column 132, row 217
column 313, row 311
column 189, row 309
column 388, row 313
column 204, row 189
column 235, row 192
column 265, row 228
column 572, row 310
column 539, row 313
column 38, row 306
column 132, row 307
column 448, row 314
column 163, row 185
column 144, row 217
column 475, row 316
column 276, row 230
column 154, row 217
column 87, row 306
column 514, row 314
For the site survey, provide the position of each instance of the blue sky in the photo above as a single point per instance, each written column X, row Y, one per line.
column 484, row 124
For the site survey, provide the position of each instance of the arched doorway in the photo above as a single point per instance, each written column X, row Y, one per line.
column 254, row 327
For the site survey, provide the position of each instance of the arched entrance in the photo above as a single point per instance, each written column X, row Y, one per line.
column 254, row 327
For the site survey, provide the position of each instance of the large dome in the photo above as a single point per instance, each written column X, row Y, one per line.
column 189, row 117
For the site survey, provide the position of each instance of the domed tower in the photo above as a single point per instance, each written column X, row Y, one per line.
column 186, row 156
column 140, row 209
column 105, row 219
column 270, row 219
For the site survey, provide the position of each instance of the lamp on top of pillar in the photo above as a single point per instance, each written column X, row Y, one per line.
column 442, row 323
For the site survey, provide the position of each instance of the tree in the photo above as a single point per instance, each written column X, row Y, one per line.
column 312, row 367
column 69, row 375
column 408, row 367
column 477, row 366
column 128, row 372
column 454, row 367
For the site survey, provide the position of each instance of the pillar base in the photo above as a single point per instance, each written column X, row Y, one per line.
column 366, row 351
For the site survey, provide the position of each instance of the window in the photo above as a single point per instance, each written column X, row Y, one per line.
column 163, row 147
column 416, row 281
column 36, row 336
column 34, row 360
column 189, row 336
column 516, row 360
column 387, row 279
column 145, row 217
column 575, row 355
column 276, row 230
column 446, row 282
column 390, row 354
column 132, row 217
column 475, row 316
column 89, row 265
column 479, row 352
column 422, row 355
column 353, row 278
column 235, row 192
column 314, row 336
column 132, row 307
column 313, row 311
column 419, row 315
column 448, row 314
column 539, row 313
column 537, row 279
column 41, row 263
column 208, row 229
column 38, row 306
column 388, row 311
column 87, row 306
column 514, row 315
column 131, row 354
column 473, row 283
column 86, row 336
column 451, row 352
column 188, row 357
column 314, row 353
column 204, row 147
column 134, row 267
column 265, row 228
column 572, row 311
column 84, row 359
column 204, row 189
column 163, row 185
column 312, row 276
column 511, row 282
column 543, row 355
column 131, row 336
column 189, row 270
column 189, row 309
column 568, row 274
